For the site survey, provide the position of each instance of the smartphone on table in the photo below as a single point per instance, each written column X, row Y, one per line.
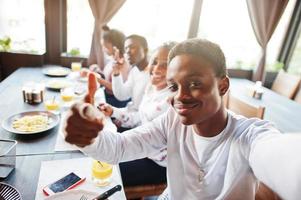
column 65, row 183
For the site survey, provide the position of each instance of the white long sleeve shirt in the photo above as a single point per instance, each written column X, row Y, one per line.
column 154, row 103
column 221, row 167
column 133, row 88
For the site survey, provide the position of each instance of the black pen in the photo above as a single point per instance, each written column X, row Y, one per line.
column 108, row 193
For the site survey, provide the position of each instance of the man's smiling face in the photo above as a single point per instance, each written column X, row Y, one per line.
column 197, row 89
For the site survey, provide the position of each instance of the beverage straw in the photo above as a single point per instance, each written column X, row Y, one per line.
column 100, row 163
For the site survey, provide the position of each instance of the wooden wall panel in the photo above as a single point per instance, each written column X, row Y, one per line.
column 56, row 30
column 12, row 61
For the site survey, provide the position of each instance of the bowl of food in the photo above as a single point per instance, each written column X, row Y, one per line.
column 31, row 122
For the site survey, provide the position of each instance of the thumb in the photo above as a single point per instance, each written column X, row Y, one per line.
column 92, row 87
column 88, row 99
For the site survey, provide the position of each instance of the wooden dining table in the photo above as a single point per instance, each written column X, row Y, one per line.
column 31, row 149
column 282, row 111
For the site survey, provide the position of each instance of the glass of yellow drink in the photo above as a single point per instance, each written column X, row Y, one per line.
column 76, row 66
column 52, row 105
column 67, row 95
column 101, row 173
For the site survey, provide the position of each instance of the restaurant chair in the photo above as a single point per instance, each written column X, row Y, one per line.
column 298, row 96
column 243, row 108
column 141, row 191
column 286, row 84
column 248, row 110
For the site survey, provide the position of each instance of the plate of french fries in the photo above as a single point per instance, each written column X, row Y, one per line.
column 31, row 122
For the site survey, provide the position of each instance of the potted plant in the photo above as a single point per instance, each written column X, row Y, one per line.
column 75, row 52
column 241, row 69
column 73, row 55
column 5, row 44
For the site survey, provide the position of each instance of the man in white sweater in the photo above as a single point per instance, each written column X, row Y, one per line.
column 136, row 55
column 211, row 153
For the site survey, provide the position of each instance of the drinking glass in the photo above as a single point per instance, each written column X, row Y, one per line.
column 76, row 66
column 52, row 105
column 101, row 173
column 67, row 95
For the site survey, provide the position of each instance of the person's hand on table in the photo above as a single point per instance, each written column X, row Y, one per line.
column 84, row 72
column 94, row 68
column 106, row 109
column 84, row 121
column 100, row 80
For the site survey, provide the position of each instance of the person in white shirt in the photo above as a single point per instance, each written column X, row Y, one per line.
column 154, row 103
column 136, row 55
column 112, row 42
column 211, row 153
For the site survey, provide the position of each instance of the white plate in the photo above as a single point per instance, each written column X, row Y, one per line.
column 57, row 84
column 83, row 79
column 56, row 71
column 72, row 195
column 7, row 123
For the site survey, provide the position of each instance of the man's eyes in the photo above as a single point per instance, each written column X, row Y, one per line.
column 173, row 87
column 154, row 62
column 195, row 84
column 191, row 85
column 159, row 63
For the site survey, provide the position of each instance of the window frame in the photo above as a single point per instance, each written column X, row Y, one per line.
column 56, row 41
column 292, row 35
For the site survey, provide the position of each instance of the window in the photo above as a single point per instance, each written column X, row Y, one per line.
column 24, row 23
column 80, row 25
column 228, row 24
column 277, row 38
column 158, row 21
column 295, row 63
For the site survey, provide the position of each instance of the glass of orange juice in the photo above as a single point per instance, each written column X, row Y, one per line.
column 101, row 173
column 67, row 95
column 52, row 105
column 76, row 66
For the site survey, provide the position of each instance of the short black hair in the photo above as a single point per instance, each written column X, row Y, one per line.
column 168, row 45
column 202, row 48
column 140, row 39
column 105, row 28
column 115, row 37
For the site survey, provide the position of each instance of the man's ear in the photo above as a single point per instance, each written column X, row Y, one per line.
column 145, row 51
column 223, row 86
